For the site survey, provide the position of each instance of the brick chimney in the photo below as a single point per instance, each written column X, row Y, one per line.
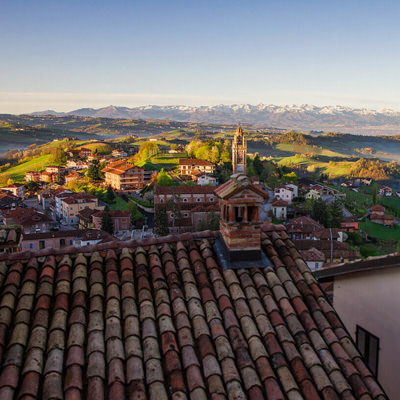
column 240, row 202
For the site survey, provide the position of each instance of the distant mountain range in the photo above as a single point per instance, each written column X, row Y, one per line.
column 303, row 117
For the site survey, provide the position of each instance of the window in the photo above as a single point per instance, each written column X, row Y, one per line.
column 368, row 344
column 30, row 245
column 239, row 212
column 198, row 199
column 62, row 242
column 185, row 199
column 41, row 244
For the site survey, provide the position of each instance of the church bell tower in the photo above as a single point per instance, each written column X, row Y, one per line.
column 239, row 151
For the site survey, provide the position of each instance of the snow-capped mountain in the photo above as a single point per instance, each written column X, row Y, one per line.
column 304, row 117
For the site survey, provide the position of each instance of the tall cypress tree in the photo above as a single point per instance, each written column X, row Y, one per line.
column 106, row 222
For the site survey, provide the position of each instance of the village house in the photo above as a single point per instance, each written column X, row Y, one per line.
column 366, row 295
column 9, row 201
column 75, row 202
column 48, row 177
column 234, row 314
column 10, row 239
column 188, row 165
column 84, row 152
column 72, row 176
column 85, row 220
column 385, row 191
column 16, row 189
column 284, row 192
column 314, row 258
column 349, row 224
column 32, row 176
column 335, row 251
column 379, row 217
column 279, row 209
column 119, row 154
column 75, row 164
column 61, row 239
column 55, row 169
column 121, row 220
column 30, row 220
column 205, row 179
column 121, row 175
column 187, row 206
column 303, row 228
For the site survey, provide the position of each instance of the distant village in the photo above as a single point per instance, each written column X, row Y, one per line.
column 47, row 212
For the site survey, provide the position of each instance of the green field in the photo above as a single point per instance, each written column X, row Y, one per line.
column 307, row 149
column 392, row 204
column 118, row 204
column 101, row 148
column 17, row 173
column 379, row 231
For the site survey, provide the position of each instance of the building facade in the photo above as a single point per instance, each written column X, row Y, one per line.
column 73, row 203
column 187, row 207
column 191, row 166
column 121, row 175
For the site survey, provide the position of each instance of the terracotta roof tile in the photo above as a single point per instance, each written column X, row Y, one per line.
column 161, row 319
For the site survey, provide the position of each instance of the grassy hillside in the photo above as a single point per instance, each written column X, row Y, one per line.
column 381, row 232
column 101, row 148
column 38, row 163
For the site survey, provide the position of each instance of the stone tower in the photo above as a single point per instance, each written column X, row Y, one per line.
column 239, row 151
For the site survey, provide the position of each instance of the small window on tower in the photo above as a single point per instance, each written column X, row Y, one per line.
column 239, row 213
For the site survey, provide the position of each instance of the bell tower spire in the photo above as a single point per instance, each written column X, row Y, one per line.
column 239, row 152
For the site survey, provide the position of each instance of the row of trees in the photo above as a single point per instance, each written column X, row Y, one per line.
column 210, row 150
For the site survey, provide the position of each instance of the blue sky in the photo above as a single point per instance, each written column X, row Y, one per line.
column 68, row 54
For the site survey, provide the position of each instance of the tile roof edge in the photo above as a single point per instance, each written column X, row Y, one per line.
column 117, row 245
column 359, row 265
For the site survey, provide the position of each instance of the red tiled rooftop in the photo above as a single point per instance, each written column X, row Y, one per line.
column 377, row 207
column 279, row 203
column 185, row 189
column 194, row 162
column 160, row 319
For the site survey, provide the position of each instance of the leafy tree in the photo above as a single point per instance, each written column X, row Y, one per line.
column 110, row 195
column 165, row 179
column 290, row 177
column 136, row 215
column 321, row 213
column 354, row 238
column 32, row 186
column 161, row 222
column 146, row 151
column 60, row 156
column 336, row 214
column 10, row 181
column 94, row 171
column 106, row 222
column 375, row 193
column 258, row 166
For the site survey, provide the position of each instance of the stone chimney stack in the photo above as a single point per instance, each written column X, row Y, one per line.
column 240, row 202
